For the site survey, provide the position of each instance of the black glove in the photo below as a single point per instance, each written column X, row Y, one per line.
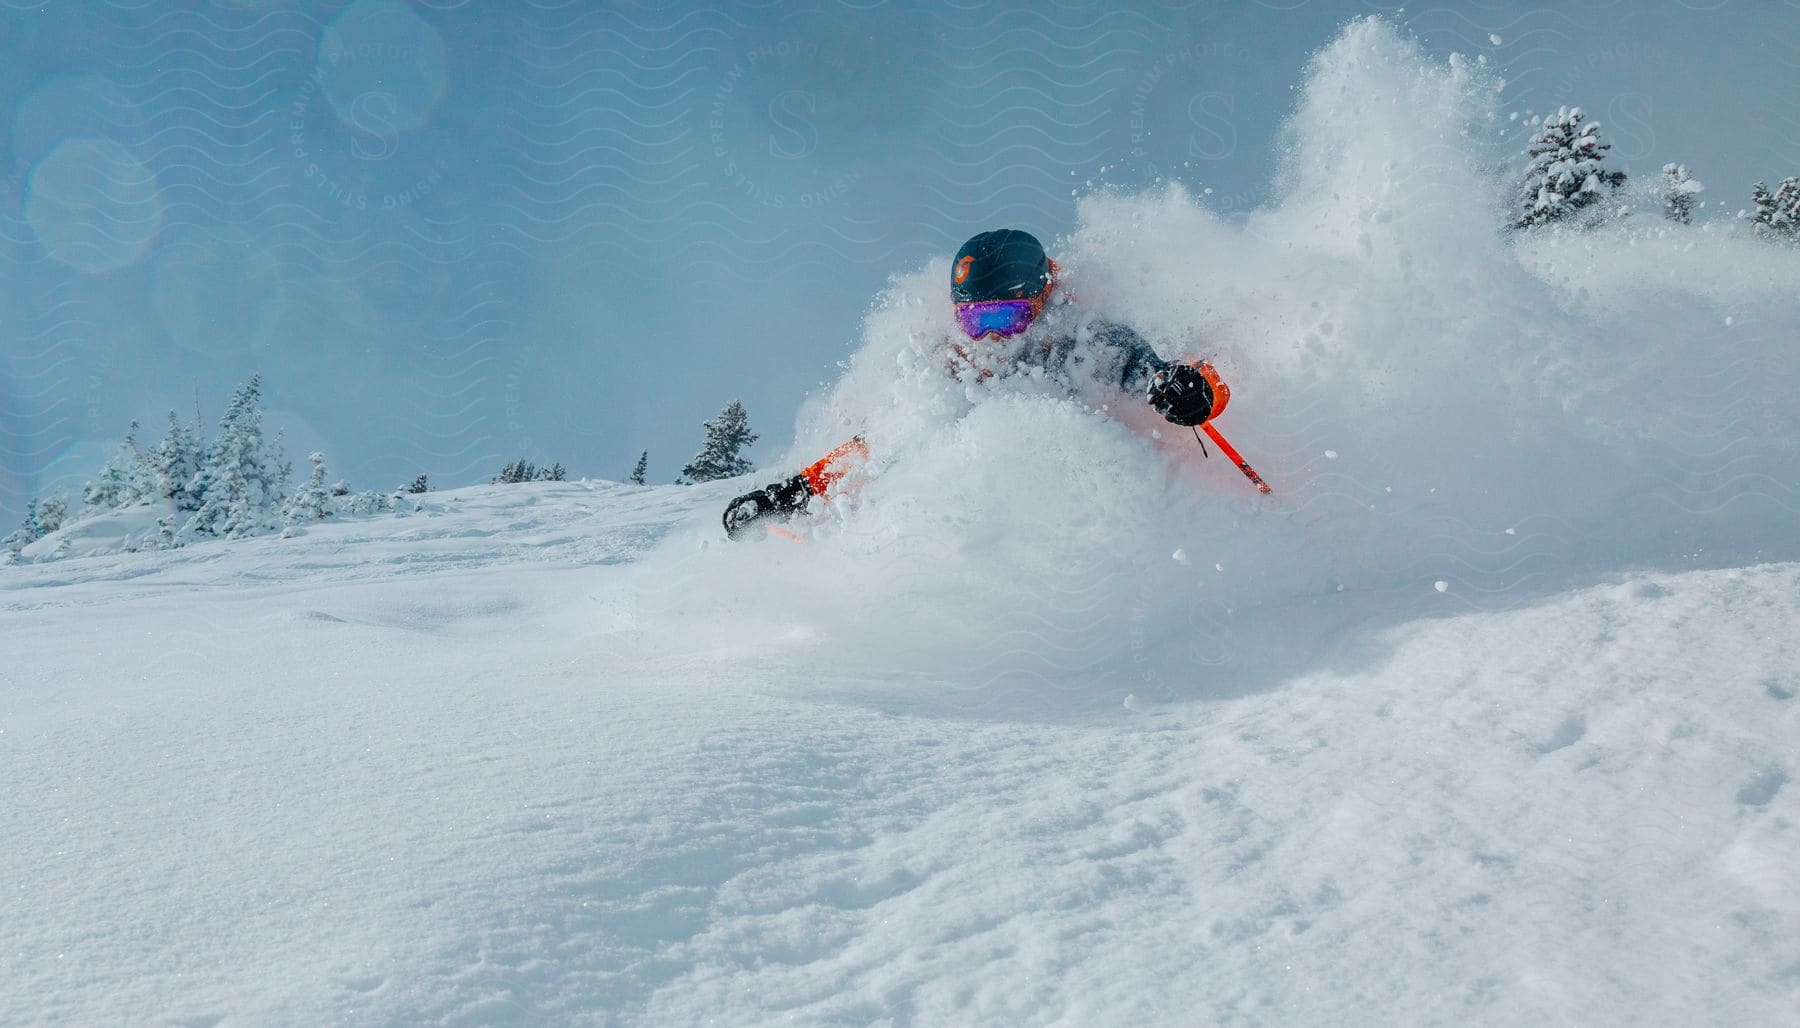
column 777, row 500
column 1180, row 393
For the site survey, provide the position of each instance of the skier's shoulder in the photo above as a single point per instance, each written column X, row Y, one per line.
column 1110, row 333
column 1083, row 324
column 1119, row 334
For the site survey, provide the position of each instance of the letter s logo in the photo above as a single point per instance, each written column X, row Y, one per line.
column 962, row 270
column 1214, row 137
column 792, row 112
column 376, row 137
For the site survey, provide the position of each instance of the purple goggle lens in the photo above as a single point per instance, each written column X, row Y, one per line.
column 1007, row 317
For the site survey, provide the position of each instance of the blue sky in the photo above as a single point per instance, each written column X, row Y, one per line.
column 450, row 234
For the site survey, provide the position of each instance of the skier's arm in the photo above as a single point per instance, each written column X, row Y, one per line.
column 1186, row 393
column 1136, row 360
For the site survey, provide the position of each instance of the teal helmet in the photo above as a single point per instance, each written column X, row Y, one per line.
column 1005, row 264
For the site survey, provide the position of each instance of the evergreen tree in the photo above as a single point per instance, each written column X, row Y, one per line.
column 312, row 501
column 1777, row 215
column 643, row 465
column 524, row 471
column 41, row 518
column 517, row 471
column 51, row 514
column 419, row 485
column 360, row 503
column 1564, row 177
column 176, row 460
column 240, row 485
column 1787, row 205
column 26, row 533
column 1678, row 189
column 128, row 479
column 1762, row 206
column 726, row 435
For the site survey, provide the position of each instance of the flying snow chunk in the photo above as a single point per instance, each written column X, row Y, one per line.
column 1179, row 557
column 1331, row 455
column 1496, row 40
column 1441, row 586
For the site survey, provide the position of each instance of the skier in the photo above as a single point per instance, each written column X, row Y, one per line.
column 1004, row 290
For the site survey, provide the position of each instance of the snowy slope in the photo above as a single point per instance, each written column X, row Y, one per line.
column 412, row 770
column 1485, row 715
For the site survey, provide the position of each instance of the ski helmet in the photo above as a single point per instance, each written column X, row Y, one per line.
column 1005, row 264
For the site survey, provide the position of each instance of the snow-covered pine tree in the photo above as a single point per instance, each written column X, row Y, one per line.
column 643, row 466
column 1762, row 206
column 26, row 533
column 365, row 502
column 1564, row 177
column 51, row 513
column 517, row 471
column 1678, row 189
column 41, row 518
column 523, row 470
column 726, row 435
column 240, row 484
column 312, row 501
column 1776, row 215
column 165, row 534
column 127, row 479
column 176, row 460
column 1787, row 207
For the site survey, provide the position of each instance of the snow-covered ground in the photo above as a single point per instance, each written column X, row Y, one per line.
column 416, row 769
column 1486, row 714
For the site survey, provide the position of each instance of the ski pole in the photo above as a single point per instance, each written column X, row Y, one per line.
column 1233, row 455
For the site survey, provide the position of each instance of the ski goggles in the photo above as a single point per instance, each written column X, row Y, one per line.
column 1005, row 317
